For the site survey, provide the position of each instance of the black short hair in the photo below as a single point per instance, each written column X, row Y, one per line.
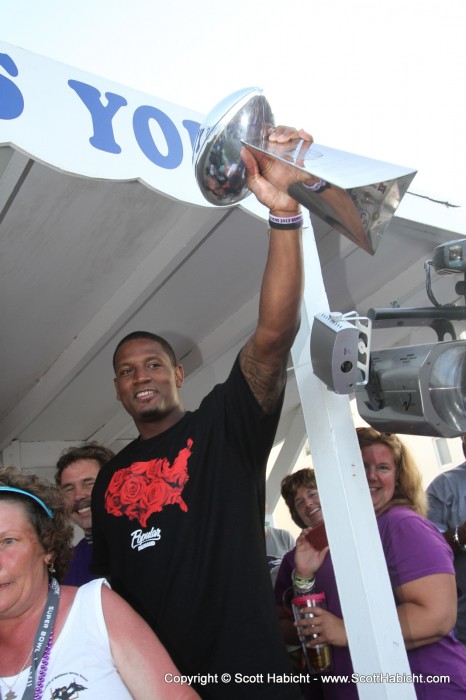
column 146, row 335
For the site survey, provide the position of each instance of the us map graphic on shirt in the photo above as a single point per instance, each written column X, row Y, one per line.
column 145, row 488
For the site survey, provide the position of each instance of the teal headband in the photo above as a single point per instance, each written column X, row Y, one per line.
column 11, row 489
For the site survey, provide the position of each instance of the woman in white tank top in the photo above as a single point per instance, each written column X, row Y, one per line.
column 64, row 642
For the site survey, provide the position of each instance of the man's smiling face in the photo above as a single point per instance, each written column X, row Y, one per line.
column 147, row 384
column 76, row 483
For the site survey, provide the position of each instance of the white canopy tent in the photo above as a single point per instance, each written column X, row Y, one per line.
column 96, row 242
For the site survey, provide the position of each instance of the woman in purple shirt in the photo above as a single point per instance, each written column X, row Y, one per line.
column 420, row 567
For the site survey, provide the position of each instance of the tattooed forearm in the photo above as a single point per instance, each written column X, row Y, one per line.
column 266, row 378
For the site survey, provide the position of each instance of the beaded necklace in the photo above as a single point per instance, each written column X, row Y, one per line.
column 39, row 686
column 39, row 689
column 43, row 644
column 41, row 648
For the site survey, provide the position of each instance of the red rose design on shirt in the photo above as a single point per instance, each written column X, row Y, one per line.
column 145, row 488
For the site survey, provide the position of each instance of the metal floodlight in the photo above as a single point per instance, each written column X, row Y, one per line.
column 450, row 257
column 418, row 390
column 340, row 350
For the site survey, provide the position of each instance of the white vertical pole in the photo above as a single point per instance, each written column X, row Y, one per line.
column 375, row 640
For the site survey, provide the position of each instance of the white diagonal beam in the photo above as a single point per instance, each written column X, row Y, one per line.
column 363, row 584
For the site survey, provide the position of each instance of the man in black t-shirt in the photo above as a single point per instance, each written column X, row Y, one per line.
column 178, row 514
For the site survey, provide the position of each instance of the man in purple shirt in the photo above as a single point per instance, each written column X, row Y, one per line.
column 77, row 469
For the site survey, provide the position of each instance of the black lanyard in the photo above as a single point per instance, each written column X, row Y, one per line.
column 43, row 634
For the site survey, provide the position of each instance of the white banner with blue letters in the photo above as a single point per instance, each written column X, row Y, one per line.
column 86, row 125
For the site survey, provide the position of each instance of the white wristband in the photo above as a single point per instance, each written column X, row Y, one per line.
column 456, row 539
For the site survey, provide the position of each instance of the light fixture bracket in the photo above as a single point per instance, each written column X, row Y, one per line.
column 340, row 350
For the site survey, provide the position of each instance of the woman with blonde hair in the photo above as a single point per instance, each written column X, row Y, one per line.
column 409, row 490
column 420, row 568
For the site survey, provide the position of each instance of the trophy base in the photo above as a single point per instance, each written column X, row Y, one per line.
column 356, row 196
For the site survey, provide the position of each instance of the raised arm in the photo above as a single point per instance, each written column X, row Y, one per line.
column 264, row 357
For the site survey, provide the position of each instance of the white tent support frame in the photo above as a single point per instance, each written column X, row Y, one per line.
column 374, row 634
